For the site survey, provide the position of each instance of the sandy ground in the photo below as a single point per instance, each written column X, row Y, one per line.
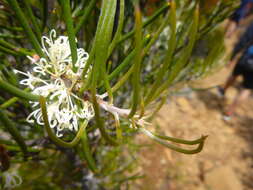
column 228, row 148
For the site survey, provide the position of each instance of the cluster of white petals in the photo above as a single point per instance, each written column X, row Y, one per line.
column 53, row 77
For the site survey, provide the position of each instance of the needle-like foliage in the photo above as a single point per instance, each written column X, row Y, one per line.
column 93, row 100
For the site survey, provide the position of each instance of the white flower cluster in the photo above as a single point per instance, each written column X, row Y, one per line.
column 53, row 77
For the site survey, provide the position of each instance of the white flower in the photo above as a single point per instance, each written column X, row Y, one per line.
column 11, row 180
column 53, row 77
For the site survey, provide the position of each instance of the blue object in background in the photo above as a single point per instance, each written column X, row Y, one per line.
column 246, row 41
column 242, row 11
column 250, row 50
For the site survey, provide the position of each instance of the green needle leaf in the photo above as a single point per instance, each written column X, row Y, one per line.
column 17, row 92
